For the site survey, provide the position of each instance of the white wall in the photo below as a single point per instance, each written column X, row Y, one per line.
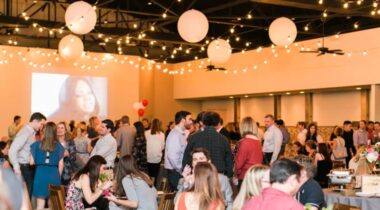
column 224, row 107
column 257, row 108
column 293, row 109
column 334, row 108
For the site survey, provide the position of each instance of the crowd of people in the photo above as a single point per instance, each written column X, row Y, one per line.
column 116, row 165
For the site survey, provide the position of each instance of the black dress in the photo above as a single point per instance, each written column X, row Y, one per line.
column 323, row 168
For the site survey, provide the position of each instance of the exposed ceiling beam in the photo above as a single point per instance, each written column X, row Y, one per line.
column 225, row 6
column 314, row 6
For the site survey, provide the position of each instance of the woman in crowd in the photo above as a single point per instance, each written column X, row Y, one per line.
column 205, row 193
column 323, row 163
column 70, row 152
column 155, row 144
column 361, row 135
column 133, row 184
column 311, row 148
column 249, row 150
column 299, row 148
column 4, row 150
column 338, row 145
column 139, row 147
column 85, row 184
column 255, row 180
column 92, row 130
column 82, row 145
column 290, row 151
column 170, row 126
column 47, row 155
column 312, row 133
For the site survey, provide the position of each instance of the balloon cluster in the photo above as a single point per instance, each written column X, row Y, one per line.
column 80, row 18
column 140, row 107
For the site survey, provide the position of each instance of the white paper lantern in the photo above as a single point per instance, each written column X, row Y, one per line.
column 80, row 17
column 282, row 31
column 70, row 47
column 219, row 51
column 192, row 26
column 138, row 105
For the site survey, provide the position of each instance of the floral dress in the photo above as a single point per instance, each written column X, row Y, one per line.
column 139, row 153
column 74, row 198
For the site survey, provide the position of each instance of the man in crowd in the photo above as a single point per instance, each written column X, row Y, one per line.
column 348, row 136
column 222, row 130
column 175, row 146
column 272, row 140
column 125, row 136
column 310, row 193
column 285, row 180
column 202, row 155
column 14, row 128
column 106, row 146
column 19, row 152
column 376, row 132
column 370, row 129
column 214, row 142
column 301, row 136
column 361, row 135
column 285, row 134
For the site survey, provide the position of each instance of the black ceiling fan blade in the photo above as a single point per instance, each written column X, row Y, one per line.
column 335, row 50
column 221, row 69
column 339, row 53
column 313, row 51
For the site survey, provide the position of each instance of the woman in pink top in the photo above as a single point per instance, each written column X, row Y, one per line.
column 249, row 151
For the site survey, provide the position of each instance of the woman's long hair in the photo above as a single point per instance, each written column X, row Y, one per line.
column 251, row 185
column 206, row 185
column 156, row 127
column 92, row 167
column 140, row 130
column 324, row 150
column 310, row 136
column 127, row 167
column 50, row 137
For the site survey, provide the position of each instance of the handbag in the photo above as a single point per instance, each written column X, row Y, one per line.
column 340, row 152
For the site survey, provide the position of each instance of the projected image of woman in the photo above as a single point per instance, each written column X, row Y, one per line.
column 76, row 100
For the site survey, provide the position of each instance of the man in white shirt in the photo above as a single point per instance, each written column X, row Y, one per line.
column 175, row 147
column 272, row 140
column 106, row 146
column 19, row 152
column 301, row 136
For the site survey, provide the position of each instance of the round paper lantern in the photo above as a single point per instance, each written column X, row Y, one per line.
column 138, row 105
column 192, row 26
column 282, row 31
column 80, row 17
column 70, row 47
column 219, row 51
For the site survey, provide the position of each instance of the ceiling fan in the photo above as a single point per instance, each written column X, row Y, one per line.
column 214, row 68
column 324, row 50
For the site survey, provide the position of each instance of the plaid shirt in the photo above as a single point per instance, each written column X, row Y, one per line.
column 216, row 144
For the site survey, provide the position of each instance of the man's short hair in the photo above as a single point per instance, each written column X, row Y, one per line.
column 370, row 122
column 269, row 116
column 109, row 124
column 302, row 123
column 282, row 169
column 199, row 116
column 125, row 119
column 280, row 122
column 377, row 122
column 181, row 115
column 307, row 163
column 37, row 116
column 347, row 122
column 15, row 118
column 211, row 119
column 201, row 150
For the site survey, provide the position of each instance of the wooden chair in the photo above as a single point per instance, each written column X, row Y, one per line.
column 57, row 197
column 164, row 185
column 339, row 206
column 167, row 201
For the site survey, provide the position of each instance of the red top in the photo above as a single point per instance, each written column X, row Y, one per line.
column 249, row 153
column 273, row 199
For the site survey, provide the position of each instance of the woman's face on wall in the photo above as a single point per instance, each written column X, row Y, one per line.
column 84, row 98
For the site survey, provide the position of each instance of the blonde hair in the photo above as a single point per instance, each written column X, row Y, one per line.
column 248, row 126
column 79, row 130
column 289, row 151
column 251, row 185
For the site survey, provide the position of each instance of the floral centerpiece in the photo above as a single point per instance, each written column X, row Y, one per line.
column 367, row 159
column 372, row 153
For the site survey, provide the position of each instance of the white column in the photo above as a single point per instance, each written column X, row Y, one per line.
column 374, row 103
